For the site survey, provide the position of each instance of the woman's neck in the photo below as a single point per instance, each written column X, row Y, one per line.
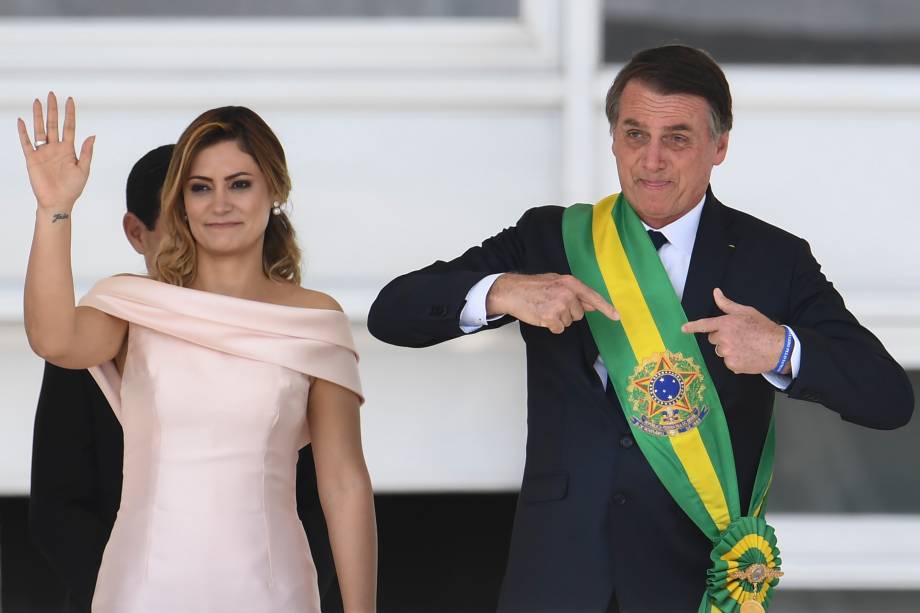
column 240, row 276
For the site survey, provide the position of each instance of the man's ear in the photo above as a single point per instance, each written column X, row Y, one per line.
column 721, row 149
column 134, row 231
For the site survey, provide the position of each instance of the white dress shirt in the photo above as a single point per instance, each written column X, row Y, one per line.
column 675, row 257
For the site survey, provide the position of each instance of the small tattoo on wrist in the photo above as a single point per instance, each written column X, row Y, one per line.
column 59, row 217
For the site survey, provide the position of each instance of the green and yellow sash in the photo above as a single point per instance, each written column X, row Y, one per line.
column 670, row 402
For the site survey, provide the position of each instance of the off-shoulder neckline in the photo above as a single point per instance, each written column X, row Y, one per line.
column 200, row 292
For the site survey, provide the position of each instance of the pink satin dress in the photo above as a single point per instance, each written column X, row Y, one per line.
column 213, row 402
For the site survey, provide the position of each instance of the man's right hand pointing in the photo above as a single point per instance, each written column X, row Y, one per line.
column 547, row 300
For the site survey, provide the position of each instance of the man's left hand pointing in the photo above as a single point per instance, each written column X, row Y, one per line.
column 746, row 339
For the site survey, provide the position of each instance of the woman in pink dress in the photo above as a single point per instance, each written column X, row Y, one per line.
column 219, row 368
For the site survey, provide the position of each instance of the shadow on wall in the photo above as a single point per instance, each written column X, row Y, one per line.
column 827, row 465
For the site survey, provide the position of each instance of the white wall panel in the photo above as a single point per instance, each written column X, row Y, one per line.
column 445, row 418
column 406, row 142
column 398, row 163
column 412, row 186
column 409, row 143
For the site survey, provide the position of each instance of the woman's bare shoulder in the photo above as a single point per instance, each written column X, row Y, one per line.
column 131, row 274
column 312, row 299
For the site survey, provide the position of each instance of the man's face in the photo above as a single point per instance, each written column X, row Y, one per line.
column 664, row 151
column 145, row 242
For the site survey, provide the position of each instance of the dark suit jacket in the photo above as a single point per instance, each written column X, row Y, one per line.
column 77, row 453
column 592, row 517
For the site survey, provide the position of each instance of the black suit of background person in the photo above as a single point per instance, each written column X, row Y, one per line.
column 77, row 448
column 594, row 527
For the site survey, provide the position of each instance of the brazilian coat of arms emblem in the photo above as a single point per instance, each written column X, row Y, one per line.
column 665, row 393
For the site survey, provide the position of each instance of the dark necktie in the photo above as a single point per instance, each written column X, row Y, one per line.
column 658, row 239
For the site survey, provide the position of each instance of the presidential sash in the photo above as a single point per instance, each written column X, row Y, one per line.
column 669, row 400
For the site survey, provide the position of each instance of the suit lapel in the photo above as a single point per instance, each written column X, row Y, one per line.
column 712, row 250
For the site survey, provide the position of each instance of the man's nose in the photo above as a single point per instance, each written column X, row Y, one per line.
column 653, row 158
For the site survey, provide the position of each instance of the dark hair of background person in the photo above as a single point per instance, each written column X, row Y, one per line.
column 677, row 69
column 142, row 191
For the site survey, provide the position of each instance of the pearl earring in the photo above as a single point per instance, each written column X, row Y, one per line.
column 276, row 208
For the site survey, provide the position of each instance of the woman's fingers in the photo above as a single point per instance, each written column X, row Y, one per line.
column 45, row 130
column 86, row 154
column 52, row 118
column 24, row 137
column 57, row 175
column 38, row 122
column 70, row 121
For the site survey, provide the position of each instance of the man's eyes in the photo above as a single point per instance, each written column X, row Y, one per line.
column 673, row 139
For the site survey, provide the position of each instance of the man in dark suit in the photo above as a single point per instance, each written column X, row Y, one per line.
column 595, row 528
column 77, row 447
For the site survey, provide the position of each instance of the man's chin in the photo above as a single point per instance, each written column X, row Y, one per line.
column 654, row 211
column 651, row 205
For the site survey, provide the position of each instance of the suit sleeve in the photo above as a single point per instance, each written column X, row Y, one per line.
column 844, row 366
column 422, row 308
column 310, row 511
column 62, row 519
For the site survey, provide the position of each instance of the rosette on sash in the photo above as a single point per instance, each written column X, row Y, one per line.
column 745, row 566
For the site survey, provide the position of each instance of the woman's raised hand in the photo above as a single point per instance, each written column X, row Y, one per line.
column 56, row 174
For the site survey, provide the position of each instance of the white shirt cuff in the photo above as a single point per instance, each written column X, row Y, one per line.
column 783, row 381
column 474, row 316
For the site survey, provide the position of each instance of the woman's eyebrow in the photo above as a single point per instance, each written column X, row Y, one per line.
column 227, row 178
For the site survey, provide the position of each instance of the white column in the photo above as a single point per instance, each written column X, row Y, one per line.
column 581, row 55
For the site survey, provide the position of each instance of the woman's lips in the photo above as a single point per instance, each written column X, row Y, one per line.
column 223, row 225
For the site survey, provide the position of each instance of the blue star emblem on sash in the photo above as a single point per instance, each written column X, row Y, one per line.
column 666, row 395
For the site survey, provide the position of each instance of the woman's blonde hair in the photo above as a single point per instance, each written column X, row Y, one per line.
column 176, row 259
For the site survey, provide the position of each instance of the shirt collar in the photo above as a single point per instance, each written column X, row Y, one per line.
column 681, row 232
